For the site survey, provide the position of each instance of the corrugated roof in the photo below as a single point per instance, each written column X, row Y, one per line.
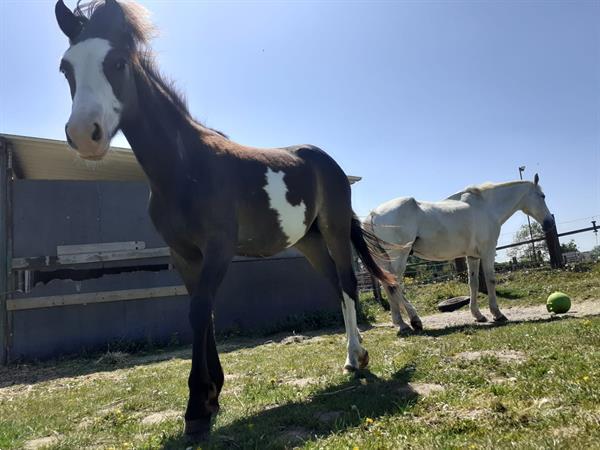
column 48, row 159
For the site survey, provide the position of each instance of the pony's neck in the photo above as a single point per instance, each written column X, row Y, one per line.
column 156, row 135
column 505, row 200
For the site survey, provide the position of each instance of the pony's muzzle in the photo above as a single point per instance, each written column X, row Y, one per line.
column 87, row 136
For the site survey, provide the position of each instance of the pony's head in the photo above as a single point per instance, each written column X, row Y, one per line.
column 534, row 205
column 99, row 67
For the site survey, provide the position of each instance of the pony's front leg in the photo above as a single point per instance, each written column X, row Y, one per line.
column 490, row 280
column 206, row 376
column 473, row 265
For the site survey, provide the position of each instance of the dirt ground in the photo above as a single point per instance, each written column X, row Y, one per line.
column 515, row 314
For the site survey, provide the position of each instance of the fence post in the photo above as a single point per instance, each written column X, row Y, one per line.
column 556, row 260
column 376, row 287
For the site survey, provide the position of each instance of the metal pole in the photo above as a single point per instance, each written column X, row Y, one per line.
column 521, row 170
column 4, row 251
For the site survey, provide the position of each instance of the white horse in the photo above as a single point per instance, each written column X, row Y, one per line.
column 466, row 224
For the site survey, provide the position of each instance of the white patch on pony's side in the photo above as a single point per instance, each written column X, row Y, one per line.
column 291, row 217
column 94, row 95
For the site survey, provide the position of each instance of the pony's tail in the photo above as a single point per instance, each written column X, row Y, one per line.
column 367, row 244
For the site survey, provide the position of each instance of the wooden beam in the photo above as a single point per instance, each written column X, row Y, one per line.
column 60, row 262
column 102, row 247
column 46, row 262
column 20, row 304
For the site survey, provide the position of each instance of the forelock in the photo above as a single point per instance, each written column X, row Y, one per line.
column 139, row 28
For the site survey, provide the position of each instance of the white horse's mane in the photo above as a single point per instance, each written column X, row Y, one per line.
column 480, row 189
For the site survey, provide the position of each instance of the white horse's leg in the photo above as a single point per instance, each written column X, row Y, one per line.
column 473, row 265
column 399, row 267
column 490, row 280
column 415, row 320
column 403, row 327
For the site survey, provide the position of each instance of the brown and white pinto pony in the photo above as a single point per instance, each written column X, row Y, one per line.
column 211, row 198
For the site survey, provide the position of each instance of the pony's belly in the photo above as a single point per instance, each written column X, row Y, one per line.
column 268, row 234
column 265, row 242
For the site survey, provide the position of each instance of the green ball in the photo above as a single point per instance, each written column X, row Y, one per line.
column 558, row 303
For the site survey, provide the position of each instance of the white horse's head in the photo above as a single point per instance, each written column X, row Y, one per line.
column 534, row 205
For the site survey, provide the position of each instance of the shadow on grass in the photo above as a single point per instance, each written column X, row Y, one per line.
column 328, row 411
column 28, row 373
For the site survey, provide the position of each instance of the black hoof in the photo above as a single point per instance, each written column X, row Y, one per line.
column 500, row 319
column 197, row 430
column 349, row 369
column 402, row 332
column 417, row 324
column 363, row 360
column 482, row 319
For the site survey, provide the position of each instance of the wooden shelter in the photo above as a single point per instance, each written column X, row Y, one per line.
column 82, row 266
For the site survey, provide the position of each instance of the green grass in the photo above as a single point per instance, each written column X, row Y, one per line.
column 520, row 288
column 275, row 395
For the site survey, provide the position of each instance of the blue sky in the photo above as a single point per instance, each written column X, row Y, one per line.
column 418, row 98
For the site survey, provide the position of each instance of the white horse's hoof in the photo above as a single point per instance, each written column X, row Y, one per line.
column 402, row 332
column 481, row 319
column 501, row 318
column 416, row 324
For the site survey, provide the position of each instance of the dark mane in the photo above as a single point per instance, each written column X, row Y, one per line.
column 166, row 86
column 141, row 31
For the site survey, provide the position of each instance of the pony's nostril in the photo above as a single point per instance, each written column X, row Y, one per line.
column 69, row 140
column 97, row 133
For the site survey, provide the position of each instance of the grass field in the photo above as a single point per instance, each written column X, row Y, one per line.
column 522, row 385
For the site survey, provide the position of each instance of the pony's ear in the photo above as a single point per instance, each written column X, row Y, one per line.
column 114, row 8
column 536, row 179
column 68, row 22
column 115, row 16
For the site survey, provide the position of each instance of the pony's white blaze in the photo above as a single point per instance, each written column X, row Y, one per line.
column 94, row 99
column 291, row 217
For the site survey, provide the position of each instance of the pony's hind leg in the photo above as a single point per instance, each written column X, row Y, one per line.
column 473, row 265
column 337, row 239
column 490, row 280
column 314, row 247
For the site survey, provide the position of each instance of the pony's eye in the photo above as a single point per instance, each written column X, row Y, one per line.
column 120, row 64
